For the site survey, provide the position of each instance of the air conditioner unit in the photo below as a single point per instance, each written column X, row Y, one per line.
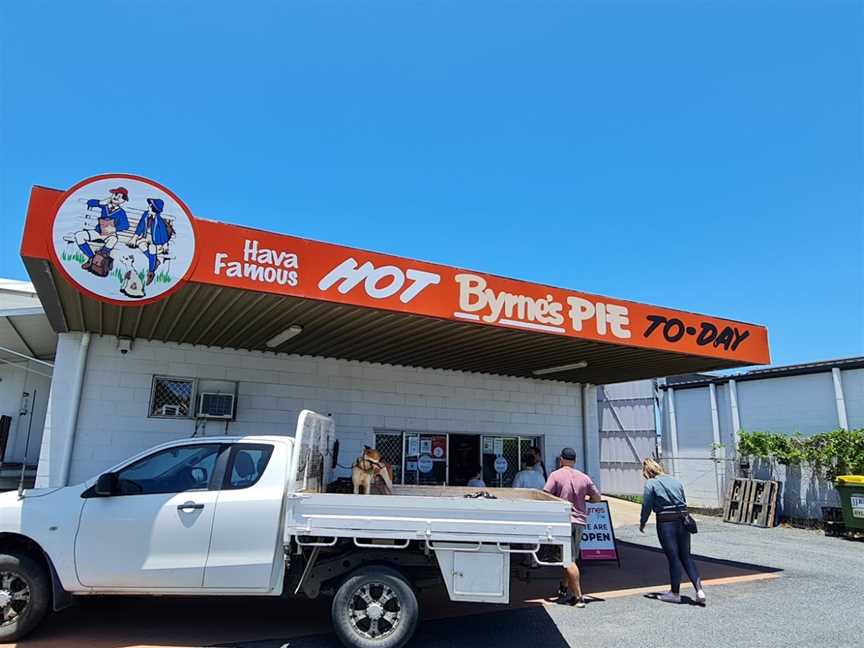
column 171, row 410
column 215, row 405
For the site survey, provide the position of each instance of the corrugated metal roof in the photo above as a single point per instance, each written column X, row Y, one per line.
column 14, row 285
column 28, row 332
column 223, row 317
column 822, row 366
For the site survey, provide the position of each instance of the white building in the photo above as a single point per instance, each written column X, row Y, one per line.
column 27, row 345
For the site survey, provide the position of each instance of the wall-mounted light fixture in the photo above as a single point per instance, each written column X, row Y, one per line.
column 281, row 338
column 566, row 367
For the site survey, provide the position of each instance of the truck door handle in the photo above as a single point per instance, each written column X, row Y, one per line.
column 189, row 506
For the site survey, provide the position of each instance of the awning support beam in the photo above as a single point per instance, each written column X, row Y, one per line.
column 26, row 357
column 20, row 337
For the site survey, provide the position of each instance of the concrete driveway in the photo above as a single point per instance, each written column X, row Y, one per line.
column 763, row 586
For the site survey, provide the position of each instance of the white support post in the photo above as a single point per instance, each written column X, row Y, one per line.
column 673, row 431
column 715, row 429
column 839, row 399
column 590, row 432
column 72, row 422
column 736, row 415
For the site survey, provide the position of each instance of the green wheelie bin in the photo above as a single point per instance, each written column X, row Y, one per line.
column 851, row 489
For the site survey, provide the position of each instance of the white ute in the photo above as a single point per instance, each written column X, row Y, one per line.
column 249, row 516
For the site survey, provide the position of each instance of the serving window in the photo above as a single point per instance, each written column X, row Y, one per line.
column 445, row 459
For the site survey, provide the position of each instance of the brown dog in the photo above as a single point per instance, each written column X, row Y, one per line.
column 369, row 466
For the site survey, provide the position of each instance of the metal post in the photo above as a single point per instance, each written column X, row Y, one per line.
column 673, row 431
column 715, row 428
column 584, row 398
column 840, row 400
column 27, row 444
column 736, row 416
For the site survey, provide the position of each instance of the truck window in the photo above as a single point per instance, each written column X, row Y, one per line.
column 172, row 470
column 246, row 465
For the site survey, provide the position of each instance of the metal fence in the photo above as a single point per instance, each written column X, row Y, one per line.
column 706, row 479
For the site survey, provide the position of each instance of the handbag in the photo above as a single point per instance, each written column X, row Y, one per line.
column 689, row 523
column 686, row 519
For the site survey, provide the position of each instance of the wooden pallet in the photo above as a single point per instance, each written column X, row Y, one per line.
column 751, row 501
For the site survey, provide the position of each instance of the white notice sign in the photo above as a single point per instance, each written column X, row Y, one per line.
column 424, row 464
column 858, row 505
column 500, row 465
column 413, row 446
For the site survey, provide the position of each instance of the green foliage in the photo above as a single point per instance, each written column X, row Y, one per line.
column 840, row 452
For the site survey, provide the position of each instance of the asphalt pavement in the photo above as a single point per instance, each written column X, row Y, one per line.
column 817, row 599
column 766, row 587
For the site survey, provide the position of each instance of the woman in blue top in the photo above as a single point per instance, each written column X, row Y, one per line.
column 664, row 495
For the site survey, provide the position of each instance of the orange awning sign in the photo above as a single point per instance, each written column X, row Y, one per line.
column 62, row 227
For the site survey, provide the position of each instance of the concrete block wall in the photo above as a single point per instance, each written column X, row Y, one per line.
column 113, row 420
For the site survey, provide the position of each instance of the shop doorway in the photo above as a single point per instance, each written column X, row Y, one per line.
column 502, row 457
column 464, row 458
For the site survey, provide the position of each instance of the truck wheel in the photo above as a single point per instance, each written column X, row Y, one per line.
column 375, row 607
column 25, row 595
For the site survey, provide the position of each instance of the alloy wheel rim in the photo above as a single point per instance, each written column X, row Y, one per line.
column 374, row 610
column 14, row 597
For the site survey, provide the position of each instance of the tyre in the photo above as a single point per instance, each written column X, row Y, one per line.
column 25, row 595
column 375, row 607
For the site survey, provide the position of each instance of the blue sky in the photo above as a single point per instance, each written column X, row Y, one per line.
column 698, row 155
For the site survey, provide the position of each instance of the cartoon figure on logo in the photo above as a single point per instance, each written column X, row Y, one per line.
column 152, row 235
column 112, row 221
column 131, row 286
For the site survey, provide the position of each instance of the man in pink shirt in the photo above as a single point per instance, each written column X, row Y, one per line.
column 576, row 487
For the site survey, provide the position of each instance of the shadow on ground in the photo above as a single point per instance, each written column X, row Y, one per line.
column 121, row 622
column 525, row 627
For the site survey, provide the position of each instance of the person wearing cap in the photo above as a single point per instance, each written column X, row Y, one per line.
column 151, row 234
column 576, row 487
column 112, row 221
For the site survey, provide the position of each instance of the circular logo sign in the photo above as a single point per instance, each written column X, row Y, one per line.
column 500, row 465
column 123, row 239
column 424, row 464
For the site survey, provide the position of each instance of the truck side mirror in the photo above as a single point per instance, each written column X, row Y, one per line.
column 106, row 485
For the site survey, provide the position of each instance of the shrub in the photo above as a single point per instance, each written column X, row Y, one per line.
column 840, row 452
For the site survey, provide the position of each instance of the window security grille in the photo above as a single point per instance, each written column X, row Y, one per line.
column 171, row 397
column 389, row 444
